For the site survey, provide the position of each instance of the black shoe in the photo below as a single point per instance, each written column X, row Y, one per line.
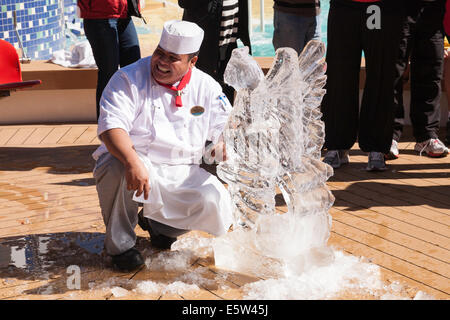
column 159, row 241
column 129, row 260
column 162, row 242
column 376, row 162
column 143, row 221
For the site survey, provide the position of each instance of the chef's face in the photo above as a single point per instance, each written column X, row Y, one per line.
column 168, row 67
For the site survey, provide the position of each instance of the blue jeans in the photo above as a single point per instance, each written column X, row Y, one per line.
column 115, row 44
column 294, row 31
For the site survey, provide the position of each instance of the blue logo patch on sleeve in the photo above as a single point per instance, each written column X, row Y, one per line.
column 224, row 101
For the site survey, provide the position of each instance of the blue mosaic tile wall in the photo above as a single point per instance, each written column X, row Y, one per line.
column 73, row 23
column 39, row 23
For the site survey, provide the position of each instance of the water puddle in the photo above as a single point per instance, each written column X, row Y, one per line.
column 187, row 270
column 40, row 253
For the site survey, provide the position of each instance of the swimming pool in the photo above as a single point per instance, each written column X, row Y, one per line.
column 49, row 25
column 262, row 41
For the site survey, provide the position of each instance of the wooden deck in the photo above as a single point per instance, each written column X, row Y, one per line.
column 50, row 220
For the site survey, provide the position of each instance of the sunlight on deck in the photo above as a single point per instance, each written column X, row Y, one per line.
column 50, row 219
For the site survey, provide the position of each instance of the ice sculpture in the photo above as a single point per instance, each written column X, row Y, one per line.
column 274, row 136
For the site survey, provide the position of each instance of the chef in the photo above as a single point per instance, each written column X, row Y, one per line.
column 155, row 117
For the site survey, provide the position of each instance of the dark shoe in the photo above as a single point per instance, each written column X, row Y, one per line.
column 143, row 221
column 376, row 162
column 129, row 260
column 336, row 158
column 161, row 241
column 158, row 241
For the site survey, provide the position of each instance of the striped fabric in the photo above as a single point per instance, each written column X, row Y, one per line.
column 229, row 22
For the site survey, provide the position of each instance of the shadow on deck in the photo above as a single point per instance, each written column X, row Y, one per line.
column 50, row 220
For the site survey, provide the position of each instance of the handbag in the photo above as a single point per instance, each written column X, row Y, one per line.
column 133, row 9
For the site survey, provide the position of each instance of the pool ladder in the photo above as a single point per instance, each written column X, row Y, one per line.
column 24, row 58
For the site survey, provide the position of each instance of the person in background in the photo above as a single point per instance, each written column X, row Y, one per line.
column 422, row 44
column 295, row 23
column 155, row 116
column 374, row 28
column 111, row 33
column 447, row 66
column 447, row 88
column 224, row 22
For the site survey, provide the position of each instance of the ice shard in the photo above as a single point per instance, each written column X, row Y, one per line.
column 273, row 137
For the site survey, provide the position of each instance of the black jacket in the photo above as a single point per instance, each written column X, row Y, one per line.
column 207, row 14
column 308, row 8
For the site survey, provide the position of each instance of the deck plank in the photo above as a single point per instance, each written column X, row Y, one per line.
column 408, row 214
column 20, row 136
column 38, row 135
column 87, row 136
column 55, row 135
column 398, row 219
column 402, row 234
column 401, row 251
column 6, row 134
column 72, row 134
column 398, row 268
column 393, row 262
column 396, row 191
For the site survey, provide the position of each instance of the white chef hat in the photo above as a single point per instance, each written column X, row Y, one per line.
column 181, row 37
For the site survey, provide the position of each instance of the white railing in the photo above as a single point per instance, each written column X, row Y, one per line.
column 261, row 16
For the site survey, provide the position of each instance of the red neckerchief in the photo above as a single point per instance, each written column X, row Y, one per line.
column 184, row 81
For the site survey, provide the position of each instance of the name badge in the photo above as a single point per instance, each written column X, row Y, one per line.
column 197, row 110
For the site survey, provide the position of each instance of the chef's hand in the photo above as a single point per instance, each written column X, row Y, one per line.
column 219, row 152
column 136, row 175
column 119, row 144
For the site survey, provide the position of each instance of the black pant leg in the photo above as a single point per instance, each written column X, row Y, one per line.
column 377, row 106
column 401, row 65
column 427, row 63
column 341, row 102
column 221, row 66
column 103, row 38
column 128, row 42
column 399, row 110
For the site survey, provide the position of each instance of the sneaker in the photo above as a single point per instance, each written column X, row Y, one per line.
column 393, row 152
column 433, row 148
column 376, row 162
column 336, row 158
column 128, row 261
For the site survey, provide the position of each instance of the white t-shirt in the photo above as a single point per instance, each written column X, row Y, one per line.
column 162, row 132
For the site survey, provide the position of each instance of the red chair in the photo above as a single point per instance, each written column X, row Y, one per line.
column 10, row 72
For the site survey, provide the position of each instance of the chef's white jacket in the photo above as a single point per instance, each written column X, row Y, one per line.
column 170, row 141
